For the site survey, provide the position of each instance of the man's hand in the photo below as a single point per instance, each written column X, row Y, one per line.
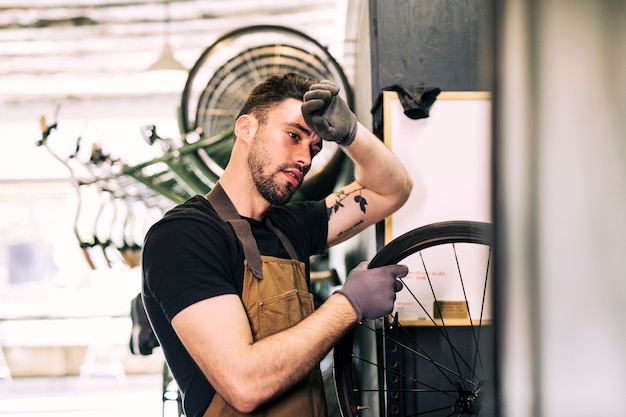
column 328, row 115
column 372, row 292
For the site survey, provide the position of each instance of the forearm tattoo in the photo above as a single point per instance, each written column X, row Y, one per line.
column 341, row 196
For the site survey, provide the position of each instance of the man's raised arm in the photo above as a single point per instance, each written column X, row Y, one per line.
column 381, row 185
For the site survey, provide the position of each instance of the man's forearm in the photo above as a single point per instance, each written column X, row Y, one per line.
column 279, row 361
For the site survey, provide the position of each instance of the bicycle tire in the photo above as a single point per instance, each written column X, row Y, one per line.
column 397, row 391
column 245, row 40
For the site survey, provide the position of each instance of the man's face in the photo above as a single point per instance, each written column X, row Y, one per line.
column 281, row 152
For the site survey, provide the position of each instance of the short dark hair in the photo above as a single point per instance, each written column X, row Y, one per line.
column 274, row 91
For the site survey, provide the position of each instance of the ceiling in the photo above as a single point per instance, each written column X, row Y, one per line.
column 77, row 48
column 84, row 64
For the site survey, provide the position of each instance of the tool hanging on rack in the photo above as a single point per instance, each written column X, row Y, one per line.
column 145, row 191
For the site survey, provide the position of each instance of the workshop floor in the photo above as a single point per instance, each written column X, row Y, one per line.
column 136, row 395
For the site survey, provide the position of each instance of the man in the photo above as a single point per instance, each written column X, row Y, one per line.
column 226, row 276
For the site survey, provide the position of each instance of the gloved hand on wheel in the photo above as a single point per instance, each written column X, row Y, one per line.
column 372, row 292
column 328, row 114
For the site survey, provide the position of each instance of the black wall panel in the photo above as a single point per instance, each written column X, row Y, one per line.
column 440, row 43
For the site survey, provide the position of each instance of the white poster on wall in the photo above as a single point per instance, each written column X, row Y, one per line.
column 448, row 156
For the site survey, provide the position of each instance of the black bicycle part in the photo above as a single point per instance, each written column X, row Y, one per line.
column 385, row 368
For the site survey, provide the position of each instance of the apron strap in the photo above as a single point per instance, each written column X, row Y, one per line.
column 283, row 239
column 227, row 212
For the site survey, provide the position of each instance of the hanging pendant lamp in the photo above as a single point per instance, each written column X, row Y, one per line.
column 166, row 60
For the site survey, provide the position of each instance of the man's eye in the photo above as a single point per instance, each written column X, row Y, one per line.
column 294, row 136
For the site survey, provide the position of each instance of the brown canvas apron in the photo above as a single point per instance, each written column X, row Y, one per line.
column 276, row 297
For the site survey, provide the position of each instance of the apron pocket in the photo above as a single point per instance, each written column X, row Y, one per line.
column 283, row 311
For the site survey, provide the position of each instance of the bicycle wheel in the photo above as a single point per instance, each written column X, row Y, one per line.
column 434, row 355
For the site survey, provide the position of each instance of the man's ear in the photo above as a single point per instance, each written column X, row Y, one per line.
column 245, row 127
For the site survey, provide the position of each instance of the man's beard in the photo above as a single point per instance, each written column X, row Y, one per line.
column 265, row 184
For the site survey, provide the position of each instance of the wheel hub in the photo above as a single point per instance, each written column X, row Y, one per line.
column 468, row 402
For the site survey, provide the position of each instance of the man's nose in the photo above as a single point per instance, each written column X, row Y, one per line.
column 303, row 155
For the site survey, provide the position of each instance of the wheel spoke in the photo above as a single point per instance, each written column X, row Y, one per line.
column 444, row 334
column 443, row 326
column 445, row 371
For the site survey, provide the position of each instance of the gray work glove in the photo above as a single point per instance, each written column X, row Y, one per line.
column 372, row 292
column 328, row 114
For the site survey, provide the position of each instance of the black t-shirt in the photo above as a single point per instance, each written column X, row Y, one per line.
column 191, row 255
